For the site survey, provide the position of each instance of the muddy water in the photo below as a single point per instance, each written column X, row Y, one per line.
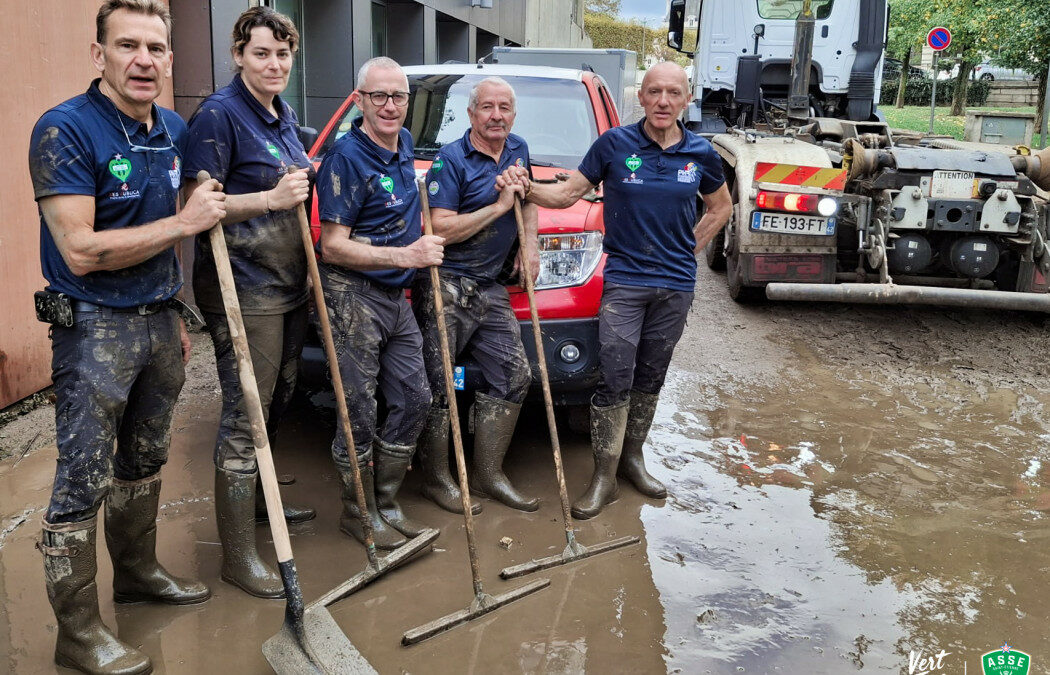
column 824, row 524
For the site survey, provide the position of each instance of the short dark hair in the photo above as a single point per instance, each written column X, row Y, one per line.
column 282, row 27
column 147, row 7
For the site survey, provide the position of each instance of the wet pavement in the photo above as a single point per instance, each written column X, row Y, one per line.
column 826, row 515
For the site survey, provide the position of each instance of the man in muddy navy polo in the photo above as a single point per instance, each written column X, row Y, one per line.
column 478, row 223
column 651, row 173
column 106, row 170
column 371, row 247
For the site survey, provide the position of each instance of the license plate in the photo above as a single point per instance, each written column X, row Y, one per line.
column 791, row 223
column 952, row 185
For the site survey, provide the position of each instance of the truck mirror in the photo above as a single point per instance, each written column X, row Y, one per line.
column 683, row 24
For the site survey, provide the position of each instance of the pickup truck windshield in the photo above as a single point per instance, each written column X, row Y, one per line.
column 554, row 117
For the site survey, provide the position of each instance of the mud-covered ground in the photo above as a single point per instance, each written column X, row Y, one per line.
column 852, row 489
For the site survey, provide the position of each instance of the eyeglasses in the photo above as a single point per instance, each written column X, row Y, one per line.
column 145, row 148
column 379, row 98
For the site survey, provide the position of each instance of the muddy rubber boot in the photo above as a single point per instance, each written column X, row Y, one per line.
column 386, row 537
column 494, row 421
column 391, row 464
column 293, row 515
column 608, row 424
column 438, row 484
column 84, row 642
column 235, row 517
column 632, row 461
column 131, row 537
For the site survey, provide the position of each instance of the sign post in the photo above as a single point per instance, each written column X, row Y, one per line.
column 938, row 40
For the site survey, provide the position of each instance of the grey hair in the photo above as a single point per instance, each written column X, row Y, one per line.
column 382, row 62
column 472, row 101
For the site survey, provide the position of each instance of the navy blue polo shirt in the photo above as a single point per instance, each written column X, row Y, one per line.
column 373, row 192
column 463, row 179
column 79, row 148
column 650, row 203
column 241, row 144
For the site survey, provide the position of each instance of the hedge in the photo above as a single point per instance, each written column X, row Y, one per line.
column 917, row 92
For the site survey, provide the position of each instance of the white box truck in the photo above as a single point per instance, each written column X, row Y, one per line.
column 616, row 66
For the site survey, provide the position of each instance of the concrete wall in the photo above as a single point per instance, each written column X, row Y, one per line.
column 550, row 23
column 1013, row 94
column 46, row 50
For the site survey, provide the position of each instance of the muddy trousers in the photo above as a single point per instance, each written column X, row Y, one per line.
column 275, row 342
column 378, row 345
column 638, row 328
column 117, row 376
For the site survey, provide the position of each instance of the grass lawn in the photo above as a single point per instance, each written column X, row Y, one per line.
column 917, row 118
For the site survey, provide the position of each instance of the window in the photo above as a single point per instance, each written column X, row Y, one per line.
column 790, row 9
column 379, row 46
column 295, row 94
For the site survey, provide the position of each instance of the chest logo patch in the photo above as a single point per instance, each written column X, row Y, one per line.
column 120, row 167
column 520, row 163
column 688, row 174
column 387, row 183
column 175, row 173
column 438, row 164
column 634, row 162
column 272, row 149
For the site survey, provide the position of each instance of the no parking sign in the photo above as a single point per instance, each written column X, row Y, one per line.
column 939, row 38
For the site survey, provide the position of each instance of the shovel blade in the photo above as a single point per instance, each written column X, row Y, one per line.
column 327, row 650
column 565, row 557
column 481, row 606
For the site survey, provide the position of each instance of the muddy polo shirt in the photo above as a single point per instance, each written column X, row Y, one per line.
column 239, row 143
column 373, row 192
column 650, row 203
column 463, row 179
column 79, row 148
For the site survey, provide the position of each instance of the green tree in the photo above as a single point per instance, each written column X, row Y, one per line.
column 609, row 32
column 906, row 36
column 606, row 7
column 968, row 22
column 1019, row 37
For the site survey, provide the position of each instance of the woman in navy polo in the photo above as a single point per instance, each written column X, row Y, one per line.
column 246, row 136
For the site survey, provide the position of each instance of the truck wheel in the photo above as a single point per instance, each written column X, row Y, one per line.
column 745, row 295
column 714, row 252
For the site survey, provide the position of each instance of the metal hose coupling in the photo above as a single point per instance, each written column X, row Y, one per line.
column 1036, row 167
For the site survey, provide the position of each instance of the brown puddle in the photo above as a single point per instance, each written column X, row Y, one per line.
column 827, row 526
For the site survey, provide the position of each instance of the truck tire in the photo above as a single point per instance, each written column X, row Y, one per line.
column 744, row 295
column 714, row 252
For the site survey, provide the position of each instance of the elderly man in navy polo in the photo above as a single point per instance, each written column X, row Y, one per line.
column 370, row 248
column 478, row 224
column 651, row 172
column 106, row 175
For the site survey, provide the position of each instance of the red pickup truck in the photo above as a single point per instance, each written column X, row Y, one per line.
column 560, row 114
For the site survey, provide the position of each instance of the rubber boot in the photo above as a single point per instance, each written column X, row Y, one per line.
column 385, row 537
column 494, row 421
column 234, row 515
column 84, row 642
column 391, row 464
column 131, row 537
column 438, row 484
column 608, row 424
column 293, row 515
column 632, row 461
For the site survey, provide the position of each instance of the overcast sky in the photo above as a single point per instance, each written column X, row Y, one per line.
column 643, row 9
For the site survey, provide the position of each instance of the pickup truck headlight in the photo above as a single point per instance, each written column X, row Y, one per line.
column 568, row 259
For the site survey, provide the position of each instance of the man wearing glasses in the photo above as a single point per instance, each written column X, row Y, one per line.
column 479, row 227
column 371, row 247
column 106, row 175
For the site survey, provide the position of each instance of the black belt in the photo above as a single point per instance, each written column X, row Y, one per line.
column 151, row 308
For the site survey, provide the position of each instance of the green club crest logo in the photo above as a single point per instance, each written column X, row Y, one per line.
column 438, row 164
column 120, row 167
column 387, row 184
column 272, row 149
column 1005, row 661
column 634, row 162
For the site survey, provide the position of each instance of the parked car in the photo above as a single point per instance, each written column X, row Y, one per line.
column 891, row 70
column 560, row 114
column 987, row 71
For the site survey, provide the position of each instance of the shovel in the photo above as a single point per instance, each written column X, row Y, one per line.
column 483, row 603
column 573, row 549
column 310, row 641
column 376, row 566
